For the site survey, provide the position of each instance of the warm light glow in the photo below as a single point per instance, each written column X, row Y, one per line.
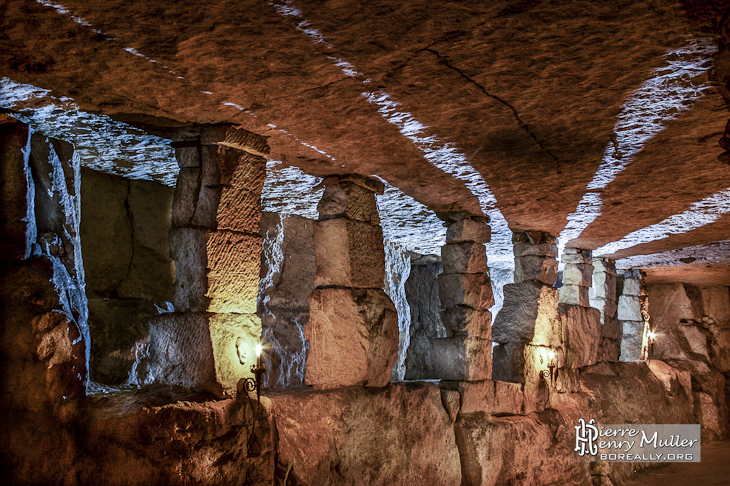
column 258, row 350
column 551, row 355
column 651, row 335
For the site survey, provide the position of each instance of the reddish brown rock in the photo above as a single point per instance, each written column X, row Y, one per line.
column 720, row 349
column 668, row 305
column 465, row 320
column 462, row 358
column 13, row 190
column 466, row 230
column 534, row 243
column 398, row 435
column 491, row 456
column 581, row 335
column 143, row 440
column 240, row 202
column 345, row 199
column 491, row 397
column 464, row 257
column 529, row 314
column 353, row 338
column 451, row 400
column 43, row 378
column 716, row 304
column 472, row 290
column 534, row 267
column 349, row 253
column 236, row 138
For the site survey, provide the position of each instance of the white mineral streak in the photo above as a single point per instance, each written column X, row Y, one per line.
column 448, row 158
column 273, row 254
column 292, row 359
column 70, row 283
column 397, row 270
column 699, row 214
column 101, row 143
column 444, row 156
column 289, row 190
column 669, row 91
column 137, row 375
column 293, row 364
column 64, row 11
column 408, row 223
column 31, row 230
column 290, row 135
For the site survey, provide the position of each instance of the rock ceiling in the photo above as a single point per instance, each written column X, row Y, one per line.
column 597, row 121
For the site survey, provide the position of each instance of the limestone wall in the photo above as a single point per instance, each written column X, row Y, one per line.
column 354, row 427
column 43, row 340
column 124, row 240
column 692, row 327
column 287, row 281
column 209, row 341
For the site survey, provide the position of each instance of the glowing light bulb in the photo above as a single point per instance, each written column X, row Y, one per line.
column 651, row 335
column 551, row 355
column 258, row 350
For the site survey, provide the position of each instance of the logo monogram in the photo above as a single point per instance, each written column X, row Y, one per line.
column 585, row 437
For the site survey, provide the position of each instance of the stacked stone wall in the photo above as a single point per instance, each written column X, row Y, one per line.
column 209, row 341
column 353, row 325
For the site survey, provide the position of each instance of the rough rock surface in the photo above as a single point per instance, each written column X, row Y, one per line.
column 181, row 352
column 529, row 312
column 349, row 253
column 397, row 435
column 353, row 338
column 42, row 369
column 287, row 272
column 234, row 338
column 581, row 335
column 484, row 104
column 124, row 242
column 427, row 322
column 13, row 189
column 687, row 340
column 161, row 436
column 473, row 290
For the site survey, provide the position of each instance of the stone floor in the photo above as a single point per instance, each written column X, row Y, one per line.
column 713, row 470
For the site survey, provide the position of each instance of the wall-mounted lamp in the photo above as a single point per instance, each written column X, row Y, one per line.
column 650, row 345
column 551, row 372
column 246, row 386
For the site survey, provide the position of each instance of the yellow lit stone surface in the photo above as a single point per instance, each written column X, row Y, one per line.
column 234, row 338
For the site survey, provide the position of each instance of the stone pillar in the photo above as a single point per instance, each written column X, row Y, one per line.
column 209, row 341
column 465, row 292
column 580, row 324
column 535, row 254
column 422, row 292
column 353, row 325
column 603, row 297
column 529, row 316
column 629, row 316
column 577, row 277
